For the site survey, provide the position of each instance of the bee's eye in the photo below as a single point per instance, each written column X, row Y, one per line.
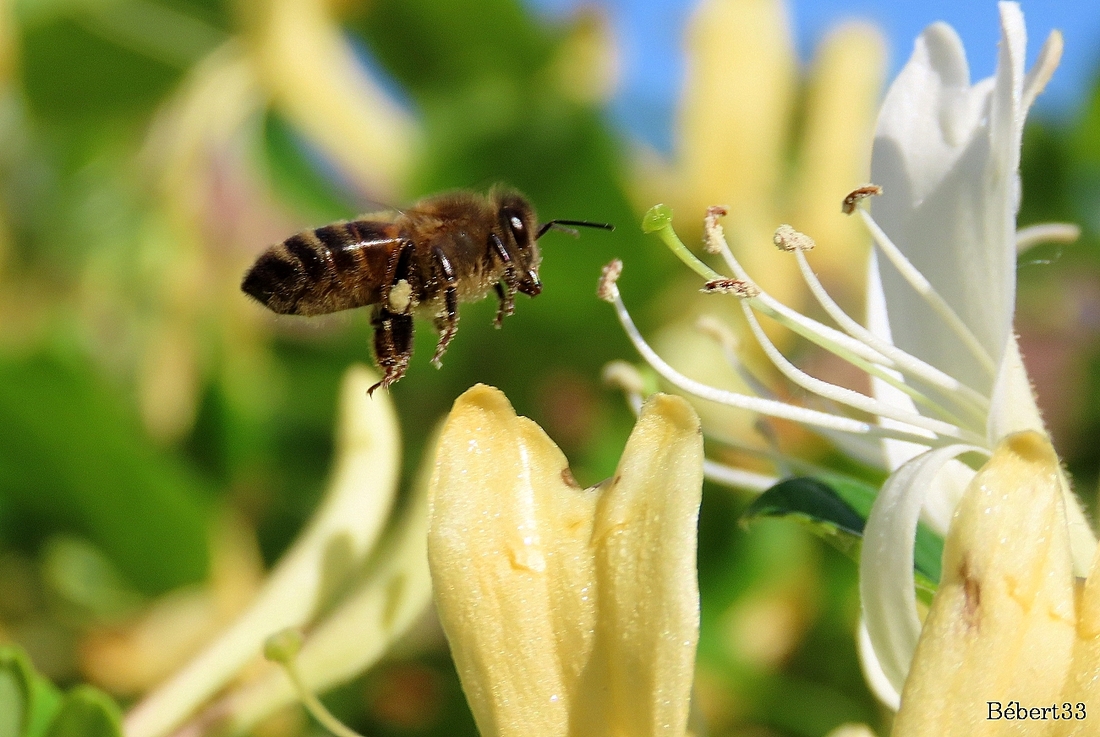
column 519, row 231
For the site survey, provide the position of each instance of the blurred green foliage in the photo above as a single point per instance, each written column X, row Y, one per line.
column 77, row 299
column 31, row 706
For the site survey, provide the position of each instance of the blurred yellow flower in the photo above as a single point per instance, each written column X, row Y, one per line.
column 738, row 117
column 569, row 611
column 752, row 139
column 353, row 611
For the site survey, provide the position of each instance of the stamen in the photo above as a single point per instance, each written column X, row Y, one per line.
column 738, row 478
column 606, row 289
column 925, row 289
column 658, row 220
column 846, row 396
column 722, row 335
column 857, row 195
column 628, row 380
column 1043, row 68
column 712, row 230
column 860, row 354
column 770, row 407
column 1033, row 235
column 818, row 333
column 976, row 402
column 788, row 239
column 737, row 287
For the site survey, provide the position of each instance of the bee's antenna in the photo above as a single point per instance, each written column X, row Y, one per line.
column 557, row 225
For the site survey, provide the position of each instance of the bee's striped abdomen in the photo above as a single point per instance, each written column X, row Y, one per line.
column 336, row 267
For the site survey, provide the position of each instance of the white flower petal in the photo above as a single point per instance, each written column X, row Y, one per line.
column 897, row 452
column 1013, row 407
column 886, row 582
column 872, row 670
column 946, row 154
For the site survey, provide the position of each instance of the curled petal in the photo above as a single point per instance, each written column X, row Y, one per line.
column 1083, row 684
column 872, row 670
column 886, row 580
column 648, row 610
column 508, row 551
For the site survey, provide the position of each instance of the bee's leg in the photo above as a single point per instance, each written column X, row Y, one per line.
column 398, row 290
column 507, row 296
column 447, row 321
column 393, row 344
column 506, row 287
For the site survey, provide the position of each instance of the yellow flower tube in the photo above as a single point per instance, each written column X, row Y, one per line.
column 1001, row 627
column 569, row 611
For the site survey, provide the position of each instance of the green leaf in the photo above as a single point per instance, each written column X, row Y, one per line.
column 74, row 458
column 87, row 712
column 31, row 706
column 13, row 703
column 815, row 505
column 71, row 74
column 836, row 509
column 28, row 702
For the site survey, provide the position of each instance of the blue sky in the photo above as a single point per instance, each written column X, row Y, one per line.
column 649, row 31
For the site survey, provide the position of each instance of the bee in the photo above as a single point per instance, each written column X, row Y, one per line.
column 445, row 249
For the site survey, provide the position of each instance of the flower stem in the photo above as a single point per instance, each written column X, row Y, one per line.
column 282, row 649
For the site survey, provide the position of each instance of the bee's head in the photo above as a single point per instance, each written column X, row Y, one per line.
column 519, row 236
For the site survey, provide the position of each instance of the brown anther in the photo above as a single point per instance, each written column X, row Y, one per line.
column 607, row 291
column 858, row 195
column 713, row 236
column 736, row 287
column 787, row 238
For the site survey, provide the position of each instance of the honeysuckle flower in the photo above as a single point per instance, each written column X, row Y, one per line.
column 949, row 152
column 569, row 611
column 947, row 376
column 376, row 604
column 1010, row 642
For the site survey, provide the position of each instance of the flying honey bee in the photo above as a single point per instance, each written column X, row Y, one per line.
column 445, row 249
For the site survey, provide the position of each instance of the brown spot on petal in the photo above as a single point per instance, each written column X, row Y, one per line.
column 972, row 591
column 567, row 477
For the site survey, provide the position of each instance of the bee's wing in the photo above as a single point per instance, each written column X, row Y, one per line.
column 335, row 267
